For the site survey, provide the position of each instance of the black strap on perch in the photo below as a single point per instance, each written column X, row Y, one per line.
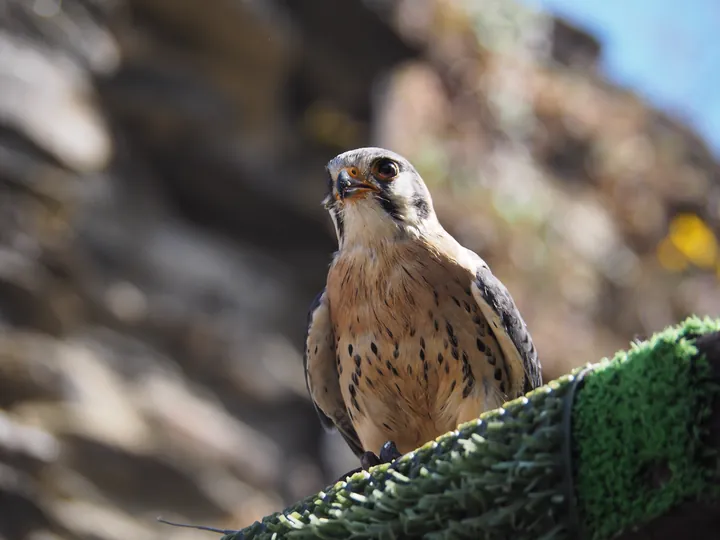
column 575, row 529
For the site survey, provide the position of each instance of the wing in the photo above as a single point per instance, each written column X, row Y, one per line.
column 321, row 374
column 511, row 333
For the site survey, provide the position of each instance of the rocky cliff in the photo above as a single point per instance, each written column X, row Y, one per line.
column 161, row 168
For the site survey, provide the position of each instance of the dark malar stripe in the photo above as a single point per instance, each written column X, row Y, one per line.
column 421, row 206
column 389, row 206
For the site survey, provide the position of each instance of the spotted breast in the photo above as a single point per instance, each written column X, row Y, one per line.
column 415, row 356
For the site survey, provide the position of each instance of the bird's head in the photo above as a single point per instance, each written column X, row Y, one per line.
column 375, row 194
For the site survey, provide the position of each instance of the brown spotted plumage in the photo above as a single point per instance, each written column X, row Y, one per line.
column 413, row 334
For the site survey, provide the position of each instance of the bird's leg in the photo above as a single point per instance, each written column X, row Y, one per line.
column 369, row 459
column 389, row 452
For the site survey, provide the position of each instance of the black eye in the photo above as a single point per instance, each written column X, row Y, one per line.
column 386, row 169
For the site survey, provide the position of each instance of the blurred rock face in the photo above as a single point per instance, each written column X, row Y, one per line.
column 161, row 235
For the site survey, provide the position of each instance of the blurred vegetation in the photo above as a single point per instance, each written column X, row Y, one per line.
column 161, row 233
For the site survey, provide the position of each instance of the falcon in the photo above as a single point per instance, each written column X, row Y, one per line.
column 412, row 334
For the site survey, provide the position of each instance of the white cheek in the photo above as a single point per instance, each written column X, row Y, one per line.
column 365, row 221
column 403, row 190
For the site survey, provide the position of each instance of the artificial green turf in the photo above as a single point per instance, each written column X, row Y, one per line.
column 636, row 439
column 637, row 429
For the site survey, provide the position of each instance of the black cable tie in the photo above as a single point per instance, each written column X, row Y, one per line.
column 575, row 529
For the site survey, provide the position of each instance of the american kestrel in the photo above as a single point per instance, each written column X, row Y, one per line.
column 412, row 334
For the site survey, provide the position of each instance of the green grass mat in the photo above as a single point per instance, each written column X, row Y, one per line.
column 626, row 448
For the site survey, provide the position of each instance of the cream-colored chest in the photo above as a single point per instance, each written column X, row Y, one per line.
column 406, row 330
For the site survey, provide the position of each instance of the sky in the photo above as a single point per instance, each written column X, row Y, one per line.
column 667, row 51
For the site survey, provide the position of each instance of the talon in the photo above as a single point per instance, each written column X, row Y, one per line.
column 369, row 459
column 389, row 452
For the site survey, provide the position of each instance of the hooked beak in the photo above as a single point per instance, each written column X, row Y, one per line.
column 348, row 186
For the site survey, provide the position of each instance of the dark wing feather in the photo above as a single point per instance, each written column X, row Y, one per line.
column 321, row 376
column 510, row 329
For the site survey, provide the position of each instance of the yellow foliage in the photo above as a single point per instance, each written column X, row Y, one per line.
column 670, row 257
column 695, row 240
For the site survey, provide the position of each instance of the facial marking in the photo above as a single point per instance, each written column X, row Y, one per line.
column 375, row 195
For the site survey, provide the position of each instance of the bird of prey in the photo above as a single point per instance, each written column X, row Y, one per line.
column 412, row 334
